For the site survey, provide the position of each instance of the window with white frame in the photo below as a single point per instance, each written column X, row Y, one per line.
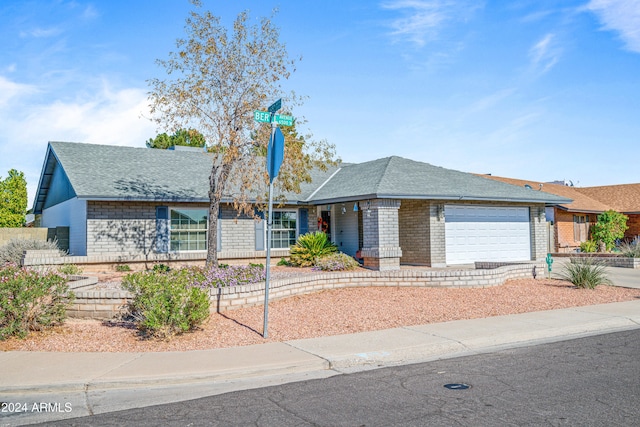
column 284, row 229
column 188, row 229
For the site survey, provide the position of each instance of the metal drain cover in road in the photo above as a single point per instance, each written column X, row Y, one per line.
column 457, row 386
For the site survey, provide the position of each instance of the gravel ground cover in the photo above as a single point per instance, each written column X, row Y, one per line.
column 332, row 312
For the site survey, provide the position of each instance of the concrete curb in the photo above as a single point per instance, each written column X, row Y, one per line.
column 92, row 383
column 56, row 372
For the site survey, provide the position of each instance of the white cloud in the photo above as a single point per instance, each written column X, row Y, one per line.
column 107, row 116
column 422, row 20
column 41, row 32
column 10, row 90
column 621, row 16
column 491, row 100
column 544, row 54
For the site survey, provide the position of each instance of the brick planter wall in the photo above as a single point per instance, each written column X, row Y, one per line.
column 611, row 260
column 103, row 304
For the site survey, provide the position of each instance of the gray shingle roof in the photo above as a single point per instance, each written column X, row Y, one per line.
column 113, row 172
column 104, row 172
column 107, row 172
column 397, row 177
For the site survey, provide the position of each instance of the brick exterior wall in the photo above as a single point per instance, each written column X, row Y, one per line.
column 129, row 229
column 564, row 230
column 237, row 233
column 414, row 227
column 437, row 235
column 123, row 228
column 381, row 244
column 634, row 227
column 539, row 233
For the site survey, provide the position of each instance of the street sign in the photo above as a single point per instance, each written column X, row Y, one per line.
column 265, row 117
column 275, row 106
column 284, row 120
column 275, row 154
column 262, row 116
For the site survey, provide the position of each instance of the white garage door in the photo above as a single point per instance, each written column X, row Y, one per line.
column 486, row 233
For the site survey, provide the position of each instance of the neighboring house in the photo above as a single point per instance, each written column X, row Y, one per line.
column 570, row 222
column 140, row 202
column 624, row 198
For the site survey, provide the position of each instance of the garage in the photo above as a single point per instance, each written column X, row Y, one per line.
column 486, row 233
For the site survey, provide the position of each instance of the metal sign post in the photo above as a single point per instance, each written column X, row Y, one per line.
column 275, row 156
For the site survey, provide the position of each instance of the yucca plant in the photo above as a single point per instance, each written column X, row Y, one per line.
column 585, row 273
column 309, row 247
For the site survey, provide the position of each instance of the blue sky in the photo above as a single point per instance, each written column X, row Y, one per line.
column 540, row 90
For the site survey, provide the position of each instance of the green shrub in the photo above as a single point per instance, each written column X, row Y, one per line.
column 284, row 262
column 166, row 304
column 123, row 268
column 161, row 268
column 69, row 270
column 12, row 252
column 589, row 246
column 585, row 273
column 610, row 227
column 31, row 300
column 336, row 262
column 309, row 247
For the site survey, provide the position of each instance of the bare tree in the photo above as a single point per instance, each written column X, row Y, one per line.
column 215, row 81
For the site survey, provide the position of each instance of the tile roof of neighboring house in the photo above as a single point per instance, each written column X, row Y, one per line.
column 105, row 172
column 397, row 177
column 580, row 202
column 623, row 198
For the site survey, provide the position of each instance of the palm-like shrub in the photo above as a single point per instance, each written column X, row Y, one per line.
column 585, row 273
column 309, row 247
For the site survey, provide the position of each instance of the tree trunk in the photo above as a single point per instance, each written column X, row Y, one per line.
column 214, row 209
column 212, row 235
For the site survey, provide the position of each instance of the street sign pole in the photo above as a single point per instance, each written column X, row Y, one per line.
column 265, row 326
column 275, row 156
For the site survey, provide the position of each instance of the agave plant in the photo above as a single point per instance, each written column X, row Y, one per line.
column 585, row 273
column 309, row 247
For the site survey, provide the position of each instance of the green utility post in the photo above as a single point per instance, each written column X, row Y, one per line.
column 549, row 262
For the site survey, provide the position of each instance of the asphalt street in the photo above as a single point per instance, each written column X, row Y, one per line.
column 592, row 381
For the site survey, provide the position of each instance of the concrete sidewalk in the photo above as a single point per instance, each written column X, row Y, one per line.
column 52, row 386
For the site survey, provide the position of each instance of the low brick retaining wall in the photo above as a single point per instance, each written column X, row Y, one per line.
column 105, row 304
column 611, row 260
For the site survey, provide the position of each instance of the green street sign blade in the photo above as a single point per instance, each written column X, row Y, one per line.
column 275, row 106
column 262, row 116
column 284, row 120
